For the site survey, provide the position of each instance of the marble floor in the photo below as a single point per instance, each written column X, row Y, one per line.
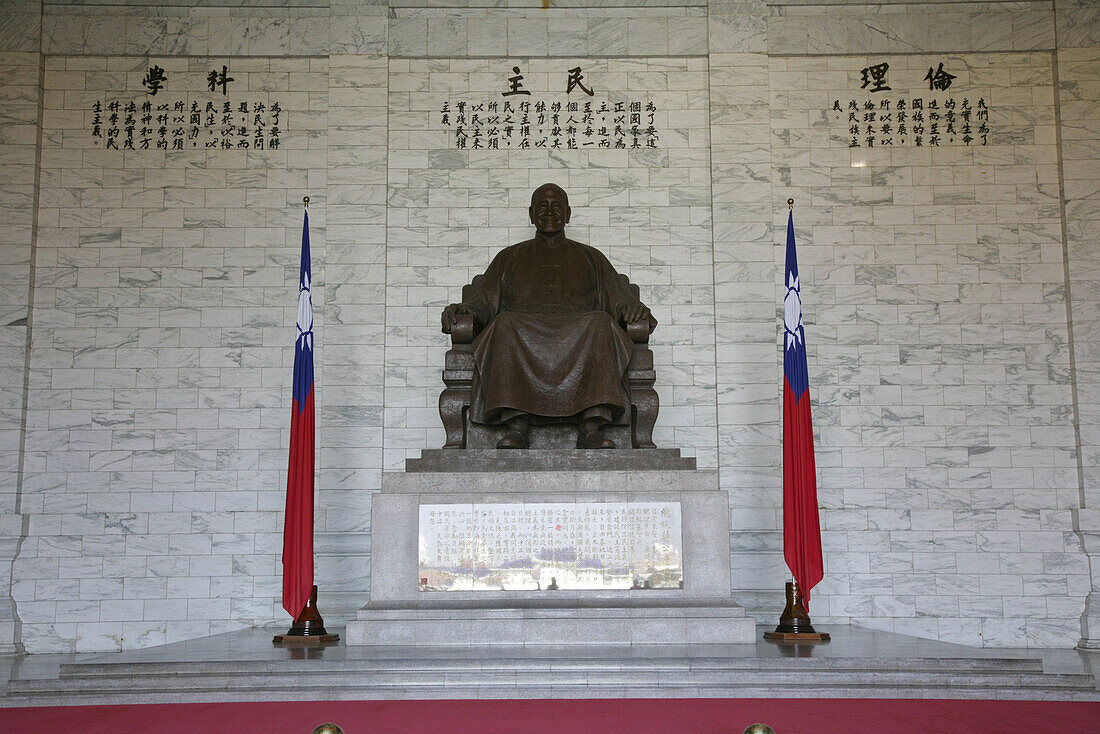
column 245, row 665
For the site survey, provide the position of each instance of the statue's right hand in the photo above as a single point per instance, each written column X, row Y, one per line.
column 450, row 315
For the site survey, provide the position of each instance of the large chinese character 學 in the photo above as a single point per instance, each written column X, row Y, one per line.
column 516, row 84
column 876, row 76
column 219, row 79
column 576, row 80
column 938, row 79
column 154, row 80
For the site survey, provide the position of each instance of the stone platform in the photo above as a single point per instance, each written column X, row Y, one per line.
column 701, row 611
column 245, row 666
column 490, row 460
column 540, row 620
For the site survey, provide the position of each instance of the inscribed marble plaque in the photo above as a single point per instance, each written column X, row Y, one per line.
column 547, row 546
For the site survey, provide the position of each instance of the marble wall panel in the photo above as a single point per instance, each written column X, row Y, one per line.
column 451, row 210
column 21, row 95
column 933, row 286
column 1078, row 72
column 167, row 299
column 914, row 27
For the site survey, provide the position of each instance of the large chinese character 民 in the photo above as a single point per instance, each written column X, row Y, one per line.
column 576, row 80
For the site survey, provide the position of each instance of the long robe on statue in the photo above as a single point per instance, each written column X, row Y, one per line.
column 550, row 344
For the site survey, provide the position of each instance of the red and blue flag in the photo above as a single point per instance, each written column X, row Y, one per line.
column 801, row 528
column 298, row 526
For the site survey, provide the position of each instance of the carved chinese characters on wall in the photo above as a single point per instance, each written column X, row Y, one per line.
column 210, row 120
column 931, row 115
column 575, row 117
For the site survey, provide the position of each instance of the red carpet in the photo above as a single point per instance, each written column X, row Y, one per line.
column 640, row 716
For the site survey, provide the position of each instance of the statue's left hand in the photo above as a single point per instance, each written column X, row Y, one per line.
column 634, row 312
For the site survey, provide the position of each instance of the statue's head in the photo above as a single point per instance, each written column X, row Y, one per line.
column 549, row 209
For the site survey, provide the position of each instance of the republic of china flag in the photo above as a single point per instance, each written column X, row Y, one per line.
column 298, row 527
column 801, row 529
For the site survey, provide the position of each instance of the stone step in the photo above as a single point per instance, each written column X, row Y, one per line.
column 132, row 681
column 293, row 691
column 377, row 664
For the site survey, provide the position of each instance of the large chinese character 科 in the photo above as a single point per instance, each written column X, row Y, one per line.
column 876, row 76
column 219, row 79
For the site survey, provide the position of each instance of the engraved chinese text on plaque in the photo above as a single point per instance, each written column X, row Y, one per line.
column 547, row 546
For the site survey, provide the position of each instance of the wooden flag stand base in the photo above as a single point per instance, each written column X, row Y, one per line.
column 794, row 624
column 308, row 628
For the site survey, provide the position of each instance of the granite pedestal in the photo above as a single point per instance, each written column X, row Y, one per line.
column 400, row 613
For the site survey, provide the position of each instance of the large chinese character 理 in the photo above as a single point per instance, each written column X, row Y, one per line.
column 876, row 77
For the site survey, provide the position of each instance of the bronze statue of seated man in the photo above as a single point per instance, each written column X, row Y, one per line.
column 552, row 345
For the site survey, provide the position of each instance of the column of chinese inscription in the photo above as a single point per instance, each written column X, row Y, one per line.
column 571, row 125
column 915, row 121
column 186, row 124
column 931, row 120
column 547, row 546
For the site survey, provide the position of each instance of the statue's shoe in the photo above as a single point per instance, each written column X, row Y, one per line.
column 596, row 440
column 512, row 440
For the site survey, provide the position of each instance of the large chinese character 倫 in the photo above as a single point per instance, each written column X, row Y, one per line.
column 938, row 79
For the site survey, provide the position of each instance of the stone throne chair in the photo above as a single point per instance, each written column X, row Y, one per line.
column 633, row 430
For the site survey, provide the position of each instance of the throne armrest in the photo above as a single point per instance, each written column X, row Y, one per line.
column 463, row 330
column 639, row 331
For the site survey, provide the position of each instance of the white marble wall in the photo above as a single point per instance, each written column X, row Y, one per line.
column 158, row 398
column 1078, row 76
column 934, row 287
column 349, row 418
column 955, row 491
column 18, row 135
column 451, row 210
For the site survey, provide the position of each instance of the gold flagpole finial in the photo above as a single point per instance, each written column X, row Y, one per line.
column 305, row 200
column 790, row 203
column 545, row 4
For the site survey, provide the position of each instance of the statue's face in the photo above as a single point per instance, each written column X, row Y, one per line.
column 549, row 212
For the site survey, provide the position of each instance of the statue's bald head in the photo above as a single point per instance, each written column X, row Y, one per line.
column 547, row 187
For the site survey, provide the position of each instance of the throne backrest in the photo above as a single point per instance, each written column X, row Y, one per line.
column 471, row 288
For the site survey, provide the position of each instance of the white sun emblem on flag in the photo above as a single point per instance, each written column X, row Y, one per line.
column 305, row 315
column 792, row 312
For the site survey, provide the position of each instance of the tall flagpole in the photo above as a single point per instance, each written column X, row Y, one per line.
column 299, row 591
column 801, row 527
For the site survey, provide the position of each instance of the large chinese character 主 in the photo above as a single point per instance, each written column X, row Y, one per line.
column 876, row 77
column 576, row 80
column 938, row 79
column 516, row 84
column 154, row 80
column 219, row 79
